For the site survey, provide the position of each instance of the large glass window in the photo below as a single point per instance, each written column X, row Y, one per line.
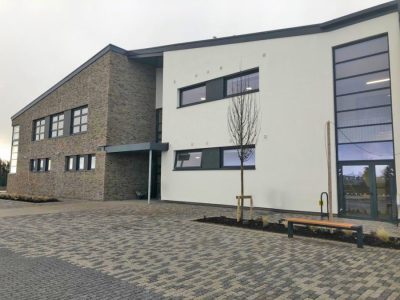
column 14, row 150
column 363, row 100
column 212, row 159
column 188, row 159
column 193, row 95
column 231, row 158
column 57, row 125
column 38, row 129
column 79, row 120
column 244, row 82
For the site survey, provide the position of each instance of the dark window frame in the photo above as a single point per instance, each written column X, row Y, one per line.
column 58, row 122
column 238, row 75
column 201, row 168
column 67, row 163
column 204, row 83
column 34, row 165
column 35, row 135
column 222, row 149
column 73, row 125
column 178, row 152
column 90, row 162
column 192, row 87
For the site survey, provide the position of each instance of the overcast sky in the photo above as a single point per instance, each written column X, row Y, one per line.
column 43, row 41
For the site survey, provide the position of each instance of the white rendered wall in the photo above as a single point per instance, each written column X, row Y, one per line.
column 296, row 98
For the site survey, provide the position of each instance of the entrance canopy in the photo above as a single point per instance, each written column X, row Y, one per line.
column 137, row 147
column 150, row 147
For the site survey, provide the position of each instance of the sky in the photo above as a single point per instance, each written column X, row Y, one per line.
column 42, row 41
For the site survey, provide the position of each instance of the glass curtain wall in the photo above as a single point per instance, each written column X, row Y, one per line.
column 364, row 132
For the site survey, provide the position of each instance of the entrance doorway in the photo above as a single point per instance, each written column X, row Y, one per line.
column 367, row 190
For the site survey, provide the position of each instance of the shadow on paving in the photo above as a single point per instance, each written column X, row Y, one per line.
column 49, row 278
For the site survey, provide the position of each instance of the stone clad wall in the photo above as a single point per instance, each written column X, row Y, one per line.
column 131, row 120
column 120, row 94
column 90, row 87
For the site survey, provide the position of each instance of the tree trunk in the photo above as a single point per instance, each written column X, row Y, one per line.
column 241, row 191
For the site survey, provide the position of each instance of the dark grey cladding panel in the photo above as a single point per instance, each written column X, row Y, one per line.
column 211, row 158
column 47, row 127
column 67, row 123
column 215, row 89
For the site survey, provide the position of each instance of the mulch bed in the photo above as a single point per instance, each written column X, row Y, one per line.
column 24, row 198
column 312, row 231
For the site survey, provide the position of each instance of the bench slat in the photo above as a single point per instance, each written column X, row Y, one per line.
column 321, row 223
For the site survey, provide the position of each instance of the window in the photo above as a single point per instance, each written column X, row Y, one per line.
column 40, row 165
column 81, row 163
column 92, row 162
column 70, row 163
column 230, row 158
column 193, row 95
column 188, row 159
column 219, row 88
column 14, row 149
column 57, row 125
column 363, row 100
column 244, row 82
column 38, row 129
column 79, row 120
column 34, row 165
column 212, row 159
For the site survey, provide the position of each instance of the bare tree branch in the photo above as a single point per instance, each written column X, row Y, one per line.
column 243, row 124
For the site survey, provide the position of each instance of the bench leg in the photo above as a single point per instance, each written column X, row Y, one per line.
column 290, row 229
column 360, row 238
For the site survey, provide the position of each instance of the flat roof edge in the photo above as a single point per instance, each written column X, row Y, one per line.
column 347, row 20
column 86, row 64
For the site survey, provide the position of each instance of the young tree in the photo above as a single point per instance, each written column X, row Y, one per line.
column 243, row 126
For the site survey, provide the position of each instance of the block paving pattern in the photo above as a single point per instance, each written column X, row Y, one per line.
column 160, row 250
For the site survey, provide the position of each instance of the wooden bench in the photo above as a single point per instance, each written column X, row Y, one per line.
column 329, row 224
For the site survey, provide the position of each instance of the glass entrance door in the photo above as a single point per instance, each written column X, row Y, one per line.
column 367, row 190
column 384, row 180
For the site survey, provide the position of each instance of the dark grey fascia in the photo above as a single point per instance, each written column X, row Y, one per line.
column 354, row 18
column 105, row 50
column 137, row 147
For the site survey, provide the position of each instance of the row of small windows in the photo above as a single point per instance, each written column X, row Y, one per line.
column 40, row 165
column 212, row 159
column 59, row 127
column 220, row 88
column 80, row 162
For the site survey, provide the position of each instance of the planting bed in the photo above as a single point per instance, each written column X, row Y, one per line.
column 24, row 198
column 308, row 231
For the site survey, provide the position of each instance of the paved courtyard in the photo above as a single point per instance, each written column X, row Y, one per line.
column 129, row 250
